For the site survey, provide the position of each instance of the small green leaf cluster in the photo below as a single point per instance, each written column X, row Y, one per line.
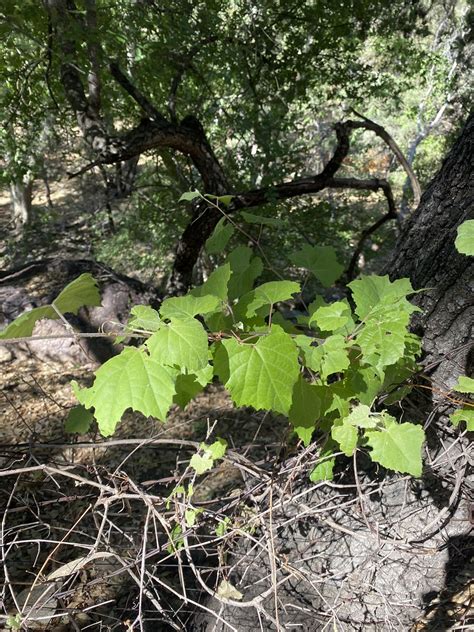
column 328, row 371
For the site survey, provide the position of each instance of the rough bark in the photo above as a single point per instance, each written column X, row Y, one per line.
column 425, row 253
column 371, row 553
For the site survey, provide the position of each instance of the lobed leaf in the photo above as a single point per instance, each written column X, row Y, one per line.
column 267, row 294
column 331, row 317
column 464, row 385
column 180, row 343
column 133, row 380
column 188, row 306
column 305, row 408
column 463, row 414
column 143, row 317
column 216, row 284
column 397, row 446
column 322, row 261
column 260, row 375
column 346, row 435
column 371, row 291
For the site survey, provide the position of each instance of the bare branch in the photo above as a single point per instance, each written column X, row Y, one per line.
column 147, row 107
column 385, row 136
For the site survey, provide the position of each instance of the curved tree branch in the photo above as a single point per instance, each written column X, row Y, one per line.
column 385, row 136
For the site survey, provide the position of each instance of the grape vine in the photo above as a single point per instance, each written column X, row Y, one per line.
column 332, row 372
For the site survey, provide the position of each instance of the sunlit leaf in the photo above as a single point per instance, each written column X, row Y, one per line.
column 397, row 446
column 133, row 380
column 260, row 375
column 188, row 306
column 144, row 317
column 464, row 414
column 189, row 196
column 346, row 435
column 464, row 385
column 181, row 343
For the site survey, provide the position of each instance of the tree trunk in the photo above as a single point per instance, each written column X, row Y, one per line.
column 371, row 552
column 21, row 193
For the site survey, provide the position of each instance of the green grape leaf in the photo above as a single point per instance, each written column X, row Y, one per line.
column 188, row 306
column 23, row 325
column 250, row 218
column 321, row 261
column 329, row 357
column 463, row 414
column 79, row 293
column 397, row 446
column 133, row 380
column 465, row 384
column 189, row 196
column 190, row 516
column 79, row 420
column 325, row 465
column 219, row 239
column 382, row 338
column 371, row 291
column 346, row 435
column 188, row 385
column 465, row 238
column 176, row 540
column 305, row 409
column 216, row 284
column 245, row 269
column 181, row 343
column 260, row 375
column 217, row 449
column 201, row 463
column 143, row 317
column 361, row 417
column 223, row 526
column 267, row 294
column 331, row 317
column 323, row 471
